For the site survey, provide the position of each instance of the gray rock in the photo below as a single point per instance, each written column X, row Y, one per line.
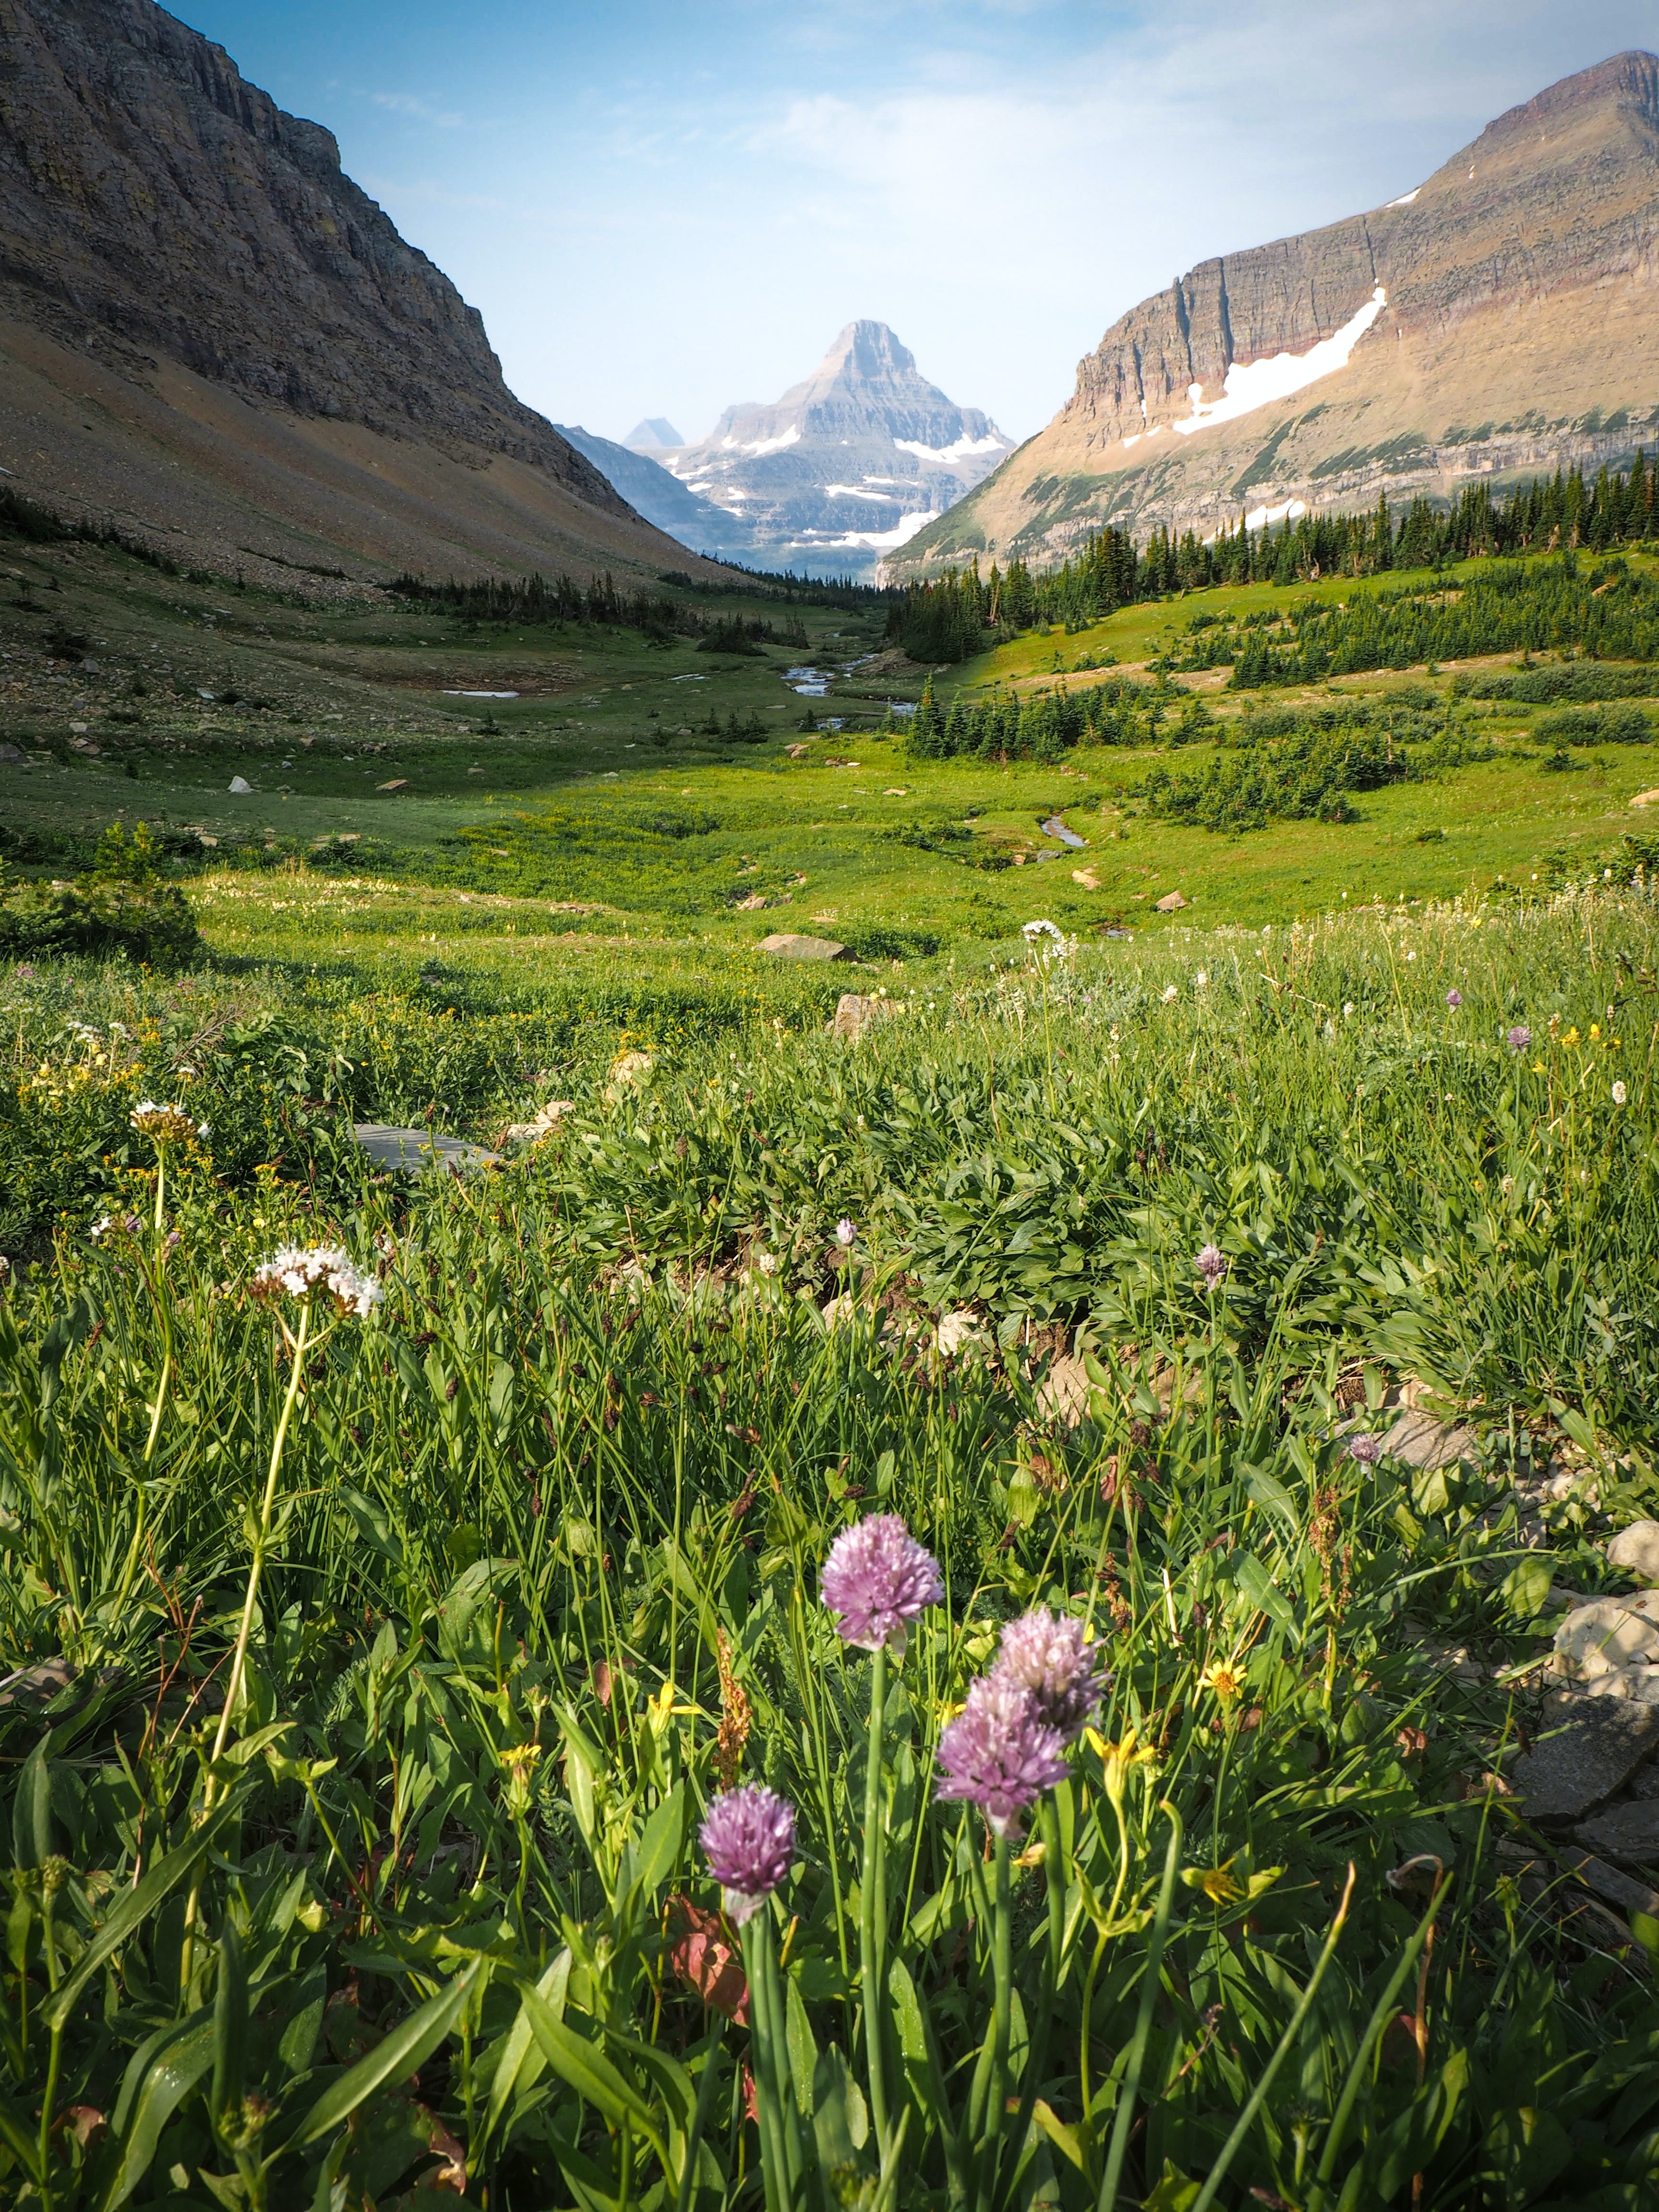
column 1419, row 1440
column 1607, row 1881
column 1639, row 1684
column 1626, row 1831
column 1605, row 1636
column 1591, row 1749
column 857, row 1012
column 10, row 757
column 785, row 946
column 413, row 1150
column 1636, row 1550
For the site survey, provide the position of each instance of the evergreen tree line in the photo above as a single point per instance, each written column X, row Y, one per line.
column 1603, row 613
column 1045, row 725
column 598, row 603
column 961, row 612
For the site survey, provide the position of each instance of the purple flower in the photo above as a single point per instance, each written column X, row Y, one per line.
column 1454, row 999
column 1366, row 1450
column 845, row 1232
column 999, row 1753
column 877, row 1580
column 1211, row 1265
column 24, row 972
column 1520, row 1037
column 748, row 1840
column 1049, row 1658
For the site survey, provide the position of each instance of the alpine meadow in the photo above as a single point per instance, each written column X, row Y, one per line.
column 820, row 1392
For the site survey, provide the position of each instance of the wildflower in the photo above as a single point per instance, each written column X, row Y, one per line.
column 1034, row 933
column 1520, row 1037
column 23, row 972
column 164, row 1125
column 1170, row 995
column 1051, row 1659
column 1454, row 999
column 1347, row 1010
column 877, row 1580
column 1226, row 1678
column 748, row 1840
column 1211, row 1265
column 1507, row 1185
column 768, row 1263
column 845, row 1232
column 1364, row 1449
column 302, row 1273
column 1216, row 1883
column 1201, row 981
column 1120, row 1760
column 999, row 1753
column 1619, row 1094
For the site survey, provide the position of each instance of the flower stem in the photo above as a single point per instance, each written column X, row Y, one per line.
column 1002, row 1983
column 1149, row 1987
column 872, row 1908
column 763, row 2043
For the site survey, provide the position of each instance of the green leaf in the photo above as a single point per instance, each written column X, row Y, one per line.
column 584, row 2068
column 31, row 1808
column 171, row 2066
column 1275, row 1499
column 229, row 2025
column 659, row 1846
column 1259, row 1589
column 405, row 2051
column 517, row 2061
column 138, row 1904
column 803, row 2050
column 1525, row 1589
column 1407, row 2143
column 1524, row 2151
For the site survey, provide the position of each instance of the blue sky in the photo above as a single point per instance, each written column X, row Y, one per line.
column 661, row 209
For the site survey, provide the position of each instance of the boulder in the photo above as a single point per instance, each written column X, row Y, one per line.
column 1636, row 1550
column 411, row 1150
column 783, row 945
column 240, row 787
column 1591, row 1749
column 545, row 1121
column 1647, row 798
column 1087, row 877
column 1606, row 1635
column 961, row 1331
column 1064, row 1391
column 1419, row 1440
column 857, row 1012
column 1624, row 1831
column 1171, row 902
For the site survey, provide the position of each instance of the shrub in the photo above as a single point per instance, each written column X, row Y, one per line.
column 121, row 906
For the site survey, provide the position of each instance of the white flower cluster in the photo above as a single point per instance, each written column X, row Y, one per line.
column 164, row 1125
column 302, row 1273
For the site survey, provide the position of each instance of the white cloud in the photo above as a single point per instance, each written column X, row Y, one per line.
column 421, row 110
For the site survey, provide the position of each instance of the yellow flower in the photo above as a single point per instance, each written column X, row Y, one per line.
column 1226, row 1680
column 1595, row 1029
column 1216, row 1883
column 1119, row 1759
column 1573, row 1036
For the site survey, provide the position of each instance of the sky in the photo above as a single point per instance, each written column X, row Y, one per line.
column 662, row 208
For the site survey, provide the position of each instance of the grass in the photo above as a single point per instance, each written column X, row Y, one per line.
column 369, row 1679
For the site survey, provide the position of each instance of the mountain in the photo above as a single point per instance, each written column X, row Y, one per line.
column 653, row 491
column 212, row 338
column 848, row 465
column 656, row 435
column 1500, row 318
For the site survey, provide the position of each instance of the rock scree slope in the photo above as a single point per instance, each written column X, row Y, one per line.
column 1501, row 318
column 208, row 330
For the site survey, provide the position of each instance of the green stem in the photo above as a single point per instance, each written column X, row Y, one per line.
column 757, row 1931
column 1247, row 2118
column 1380, row 2017
column 1049, row 1821
column 687, row 2189
column 873, row 1916
column 996, row 2104
column 1126, row 2104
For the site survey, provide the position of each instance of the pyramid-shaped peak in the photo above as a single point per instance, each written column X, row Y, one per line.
column 867, row 350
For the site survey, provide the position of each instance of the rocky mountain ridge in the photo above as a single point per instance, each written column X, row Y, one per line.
column 848, row 463
column 1502, row 317
column 177, row 253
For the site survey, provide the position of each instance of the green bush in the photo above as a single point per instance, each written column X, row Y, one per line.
column 120, row 907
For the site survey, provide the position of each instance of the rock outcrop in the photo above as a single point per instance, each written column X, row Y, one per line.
column 1502, row 317
column 172, row 243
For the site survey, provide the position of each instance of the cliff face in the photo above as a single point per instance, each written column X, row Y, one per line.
column 1496, row 319
column 161, row 217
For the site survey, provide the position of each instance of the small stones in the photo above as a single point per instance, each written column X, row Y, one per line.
column 394, row 783
column 1636, row 1550
column 1578, row 1765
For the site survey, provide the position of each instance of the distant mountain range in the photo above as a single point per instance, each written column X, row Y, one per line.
column 209, row 336
column 1499, row 318
column 848, row 466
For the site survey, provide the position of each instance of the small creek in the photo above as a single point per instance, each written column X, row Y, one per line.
column 1054, row 827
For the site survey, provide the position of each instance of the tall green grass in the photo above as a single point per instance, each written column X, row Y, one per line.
column 425, row 1912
